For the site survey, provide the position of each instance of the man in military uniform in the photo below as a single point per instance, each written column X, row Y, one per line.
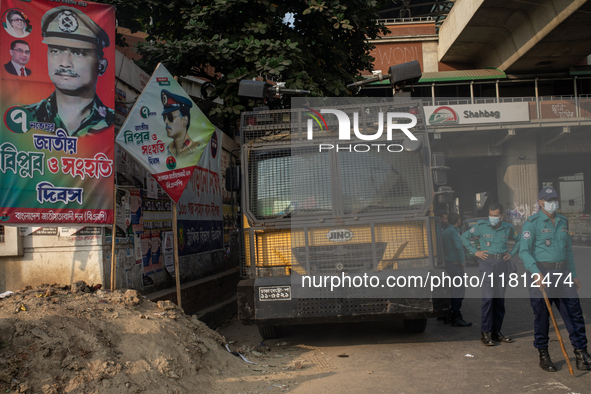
column 546, row 252
column 454, row 256
column 493, row 235
column 75, row 60
column 177, row 118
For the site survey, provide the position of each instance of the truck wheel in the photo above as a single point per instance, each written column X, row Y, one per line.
column 415, row 326
column 270, row 332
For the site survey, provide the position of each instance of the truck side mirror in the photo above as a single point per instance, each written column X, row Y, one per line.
column 439, row 168
column 233, row 178
column 445, row 195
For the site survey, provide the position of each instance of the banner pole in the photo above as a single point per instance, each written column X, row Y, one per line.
column 113, row 232
column 175, row 243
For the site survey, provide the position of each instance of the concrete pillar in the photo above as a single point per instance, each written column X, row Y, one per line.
column 587, row 190
column 517, row 178
column 467, row 196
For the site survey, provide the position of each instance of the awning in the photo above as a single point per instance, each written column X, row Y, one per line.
column 580, row 70
column 451, row 76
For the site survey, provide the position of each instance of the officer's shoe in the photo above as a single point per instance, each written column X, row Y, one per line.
column 545, row 362
column 445, row 319
column 499, row 337
column 486, row 339
column 457, row 321
column 583, row 359
column 448, row 319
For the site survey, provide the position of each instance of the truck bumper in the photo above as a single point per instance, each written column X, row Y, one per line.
column 252, row 310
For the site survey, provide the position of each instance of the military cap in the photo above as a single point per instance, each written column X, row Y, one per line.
column 547, row 193
column 174, row 102
column 70, row 27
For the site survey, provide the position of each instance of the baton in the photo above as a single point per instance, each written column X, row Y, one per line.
column 570, row 367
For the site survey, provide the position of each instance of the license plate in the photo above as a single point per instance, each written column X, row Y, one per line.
column 275, row 293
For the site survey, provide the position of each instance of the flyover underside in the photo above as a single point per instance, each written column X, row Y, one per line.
column 517, row 36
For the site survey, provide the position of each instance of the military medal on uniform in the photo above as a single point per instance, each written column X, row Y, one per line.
column 488, row 243
column 548, row 242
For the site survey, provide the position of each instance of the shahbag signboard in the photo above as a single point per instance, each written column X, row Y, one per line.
column 445, row 115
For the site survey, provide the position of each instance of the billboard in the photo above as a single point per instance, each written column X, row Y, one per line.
column 444, row 115
column 166, row 132
column 57, row 101
column 200, row 221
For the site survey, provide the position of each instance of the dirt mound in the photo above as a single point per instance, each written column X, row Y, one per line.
column 57, row 339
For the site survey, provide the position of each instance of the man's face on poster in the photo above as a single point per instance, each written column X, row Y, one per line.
column 176, row 124
column 73, row 70
column 20, row 54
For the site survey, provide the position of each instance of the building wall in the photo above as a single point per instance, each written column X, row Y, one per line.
column 407, row 41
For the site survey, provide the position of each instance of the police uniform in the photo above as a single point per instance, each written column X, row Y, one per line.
column 69, row 27
column 454, row 256
column 546, row 249
column 189, row 147
column 494, row 242
column 174, row 102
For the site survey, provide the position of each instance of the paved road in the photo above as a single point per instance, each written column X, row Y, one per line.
column 384, row 359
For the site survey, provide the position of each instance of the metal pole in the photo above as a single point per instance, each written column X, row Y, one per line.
column 497, row 89
column 577, row 109
column 240, row 230
column 175, row 243
column 113, row 233
column 472, row 92
column 537, row 100
column 433, row 94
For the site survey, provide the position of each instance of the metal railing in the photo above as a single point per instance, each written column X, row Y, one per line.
column 542, row 107
column 406, row 20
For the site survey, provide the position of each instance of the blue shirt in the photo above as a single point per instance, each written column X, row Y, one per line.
column 493, row 240
column 543, row 242
column 452, row 245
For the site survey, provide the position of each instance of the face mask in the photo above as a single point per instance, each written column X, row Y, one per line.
column 494, row 220
column 551, row 206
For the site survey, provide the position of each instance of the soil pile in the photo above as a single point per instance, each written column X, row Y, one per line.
column 57, row 339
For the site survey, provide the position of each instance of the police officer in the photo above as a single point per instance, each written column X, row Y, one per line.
column 454, row 256
column 444, row 220
column 177, row 118
column 75, row 60
column 494, row 258
column 443, row 223
column 546, row 252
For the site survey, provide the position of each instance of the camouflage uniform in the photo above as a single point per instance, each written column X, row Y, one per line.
column 100, row 118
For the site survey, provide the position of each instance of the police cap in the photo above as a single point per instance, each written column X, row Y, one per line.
column 173, row 102
column 69, row 27
column 547, row 193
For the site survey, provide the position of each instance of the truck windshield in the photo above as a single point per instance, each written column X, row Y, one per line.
column 305, row 182
column 382, row 181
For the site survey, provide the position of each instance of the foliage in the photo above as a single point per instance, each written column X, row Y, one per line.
column 323, row 48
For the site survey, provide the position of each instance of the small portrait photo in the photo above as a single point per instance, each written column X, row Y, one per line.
column 16, row 23
column 20, row 55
